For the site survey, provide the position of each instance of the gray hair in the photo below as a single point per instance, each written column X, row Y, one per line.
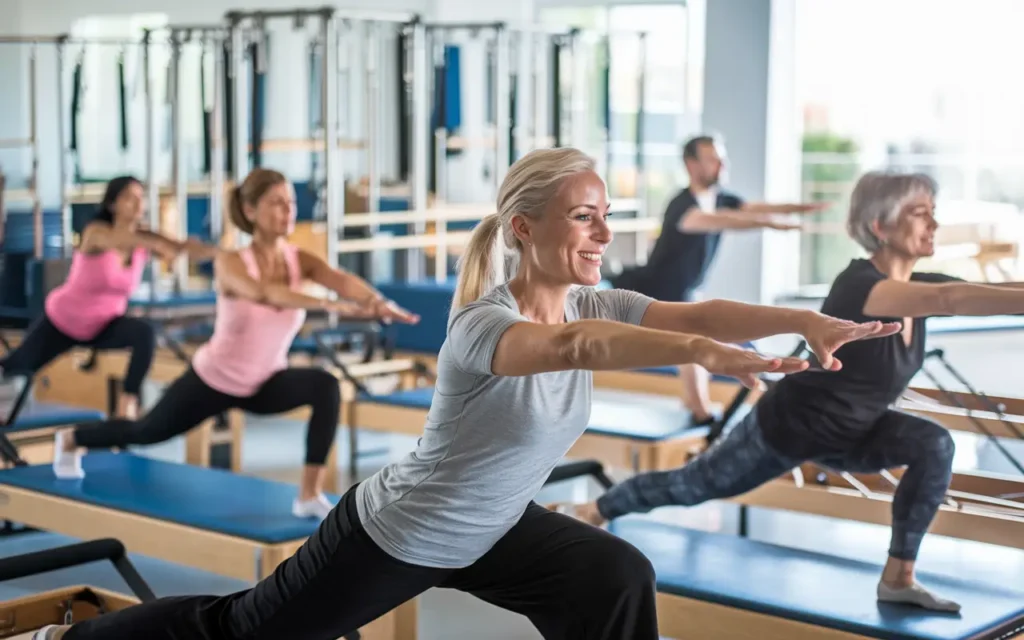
column 878, row 197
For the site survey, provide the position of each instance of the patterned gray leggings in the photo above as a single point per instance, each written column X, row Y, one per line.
column 741, row 461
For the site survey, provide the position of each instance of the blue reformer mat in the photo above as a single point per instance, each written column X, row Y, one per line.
column 42, row 415
column 814, row 588
column 634, row 420
column 170, row 300
column 209, row 499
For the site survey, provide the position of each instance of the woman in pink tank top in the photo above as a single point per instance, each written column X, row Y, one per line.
column 88, row 309
column 260, row 308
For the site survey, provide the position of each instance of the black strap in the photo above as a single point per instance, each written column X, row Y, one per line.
column 85, row 595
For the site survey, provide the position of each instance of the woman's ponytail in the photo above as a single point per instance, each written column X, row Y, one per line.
column 482, row 266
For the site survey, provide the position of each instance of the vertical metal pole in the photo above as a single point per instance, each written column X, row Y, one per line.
column 178, row 172
column 419, row 139
column 502, row 98
column 641, row 172
column 217, row 151
column 240, row 119
column 373, row 107
column 62, row 168
column 152, row 185
column 333, row 168
column 539, row 55
column 33, row 120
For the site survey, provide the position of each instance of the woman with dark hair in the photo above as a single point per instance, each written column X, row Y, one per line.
column 260, row 308
column 89, row 308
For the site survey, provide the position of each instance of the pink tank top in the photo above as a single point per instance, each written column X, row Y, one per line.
column 95, row 293
column 250, row 341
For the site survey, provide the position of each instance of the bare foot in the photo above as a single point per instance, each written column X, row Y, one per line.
column 586, row 512
column 128, row 407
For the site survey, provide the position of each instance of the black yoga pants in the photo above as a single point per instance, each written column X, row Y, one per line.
column 571, row 580
column 189, row 401
column 44, row 342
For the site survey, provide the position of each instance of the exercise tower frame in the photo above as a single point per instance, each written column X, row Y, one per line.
column 32, row 142
column 247, row 30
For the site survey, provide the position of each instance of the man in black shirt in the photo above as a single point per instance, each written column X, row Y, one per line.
column 690, row 236
column 842, row 417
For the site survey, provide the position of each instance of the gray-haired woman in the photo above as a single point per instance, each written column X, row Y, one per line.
column 843, row 418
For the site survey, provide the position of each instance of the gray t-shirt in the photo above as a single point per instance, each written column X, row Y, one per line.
column 489, row 442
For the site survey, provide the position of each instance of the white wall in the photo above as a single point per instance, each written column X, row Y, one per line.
column 738, row 37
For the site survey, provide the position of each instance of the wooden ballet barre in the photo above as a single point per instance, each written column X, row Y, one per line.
column 93, row 193
column 466, row 212
column 363, row 245
column 490, row 141
column 15, row 143
column 19, row 195
column 305, row 144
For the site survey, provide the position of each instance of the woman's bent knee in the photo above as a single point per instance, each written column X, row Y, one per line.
column 619, row 566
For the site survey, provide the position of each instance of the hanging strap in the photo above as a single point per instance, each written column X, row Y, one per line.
column 123, row 101
column 85, row 595
column 207, row 111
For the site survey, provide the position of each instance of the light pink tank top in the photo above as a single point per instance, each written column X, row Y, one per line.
column 250, row 341
column 95, row 293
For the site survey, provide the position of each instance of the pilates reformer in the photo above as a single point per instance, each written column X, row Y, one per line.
column 210, row 519
column 71, row 604
column 721, row 586
column 779, row 593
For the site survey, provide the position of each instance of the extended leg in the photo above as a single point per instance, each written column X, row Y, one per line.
column 292, row 388
column 570, row 579
column 734, row 464
column 185, row 404
column 337, row 582
column 926, row 449
column 139, row 337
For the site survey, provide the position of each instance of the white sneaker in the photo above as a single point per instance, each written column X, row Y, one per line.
column 46, row 633
column 67, row 465
column 317, row 507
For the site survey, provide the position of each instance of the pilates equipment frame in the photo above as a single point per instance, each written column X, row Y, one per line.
column 245, row 28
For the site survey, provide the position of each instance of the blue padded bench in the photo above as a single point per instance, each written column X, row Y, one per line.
column 170, row 300
column 206, row 518
column 721, row 586
column 232, row 525
column 35, row 415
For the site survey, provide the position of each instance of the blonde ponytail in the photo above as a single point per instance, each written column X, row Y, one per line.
column 531, row 183
column 482, row 265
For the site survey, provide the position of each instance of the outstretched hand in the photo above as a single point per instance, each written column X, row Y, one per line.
column 826, row 334
column 387, row 312
column 810, row 207
column 743, row 364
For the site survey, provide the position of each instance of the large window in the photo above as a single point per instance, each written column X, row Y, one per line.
column 922, row 85
column 671, row 59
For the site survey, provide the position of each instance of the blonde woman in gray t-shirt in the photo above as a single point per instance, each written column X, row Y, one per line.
column 513, row 394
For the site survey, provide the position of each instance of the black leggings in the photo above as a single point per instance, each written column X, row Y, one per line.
column 743, row 460
column 572, row 580
column 189, row 401
column 44, row 342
